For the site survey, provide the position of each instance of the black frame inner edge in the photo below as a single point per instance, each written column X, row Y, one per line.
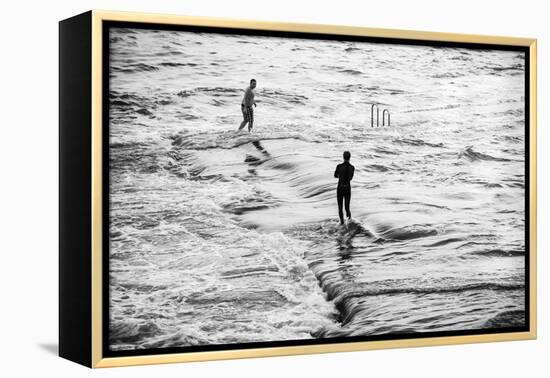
column 106, row 352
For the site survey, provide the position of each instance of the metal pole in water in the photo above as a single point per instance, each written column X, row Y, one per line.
column 372, row 115
column 384, row 117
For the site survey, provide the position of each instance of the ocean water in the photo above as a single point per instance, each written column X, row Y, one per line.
column 220, row 236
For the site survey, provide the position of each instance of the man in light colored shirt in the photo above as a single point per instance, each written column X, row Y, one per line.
column 246, row 106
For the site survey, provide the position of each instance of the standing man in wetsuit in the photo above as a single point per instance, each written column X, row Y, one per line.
column 344, row 174
column 246, row 106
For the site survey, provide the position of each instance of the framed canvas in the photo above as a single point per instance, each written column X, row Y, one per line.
column 235, row 189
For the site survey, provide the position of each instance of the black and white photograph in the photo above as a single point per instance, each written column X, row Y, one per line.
column 269, row 188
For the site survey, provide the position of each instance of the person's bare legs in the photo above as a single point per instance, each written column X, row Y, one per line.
column 245, row 119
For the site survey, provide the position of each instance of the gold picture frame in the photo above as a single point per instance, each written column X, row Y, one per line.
column 88, row 330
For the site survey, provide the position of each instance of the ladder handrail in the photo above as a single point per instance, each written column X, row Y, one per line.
column 372, row 115
column 373, row 106
column 384, row 118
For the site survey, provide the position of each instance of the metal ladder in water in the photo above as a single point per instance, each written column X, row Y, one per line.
column 384, row 112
